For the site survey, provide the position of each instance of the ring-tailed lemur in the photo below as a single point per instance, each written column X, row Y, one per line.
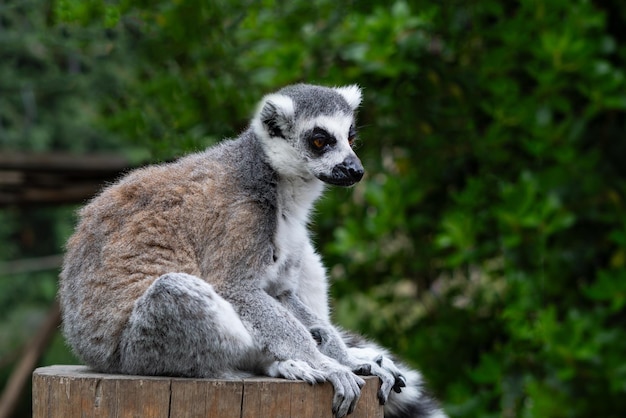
column 204, row 267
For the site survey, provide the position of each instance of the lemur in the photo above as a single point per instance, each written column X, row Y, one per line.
column 203, row 267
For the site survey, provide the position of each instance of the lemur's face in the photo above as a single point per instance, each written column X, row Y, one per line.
column 310, row 131
column 326, row 143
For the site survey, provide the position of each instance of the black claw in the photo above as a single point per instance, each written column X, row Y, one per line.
column 317, row 336
column 364, row 370
column 379, row 360
column 399, row 383
column 381, row 397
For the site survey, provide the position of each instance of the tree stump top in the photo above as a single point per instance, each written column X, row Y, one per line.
column 74, row 391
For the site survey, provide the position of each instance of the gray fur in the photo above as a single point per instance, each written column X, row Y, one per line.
column 203, row 267
column 313, row 101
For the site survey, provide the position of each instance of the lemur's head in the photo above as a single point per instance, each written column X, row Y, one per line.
column 308, row 131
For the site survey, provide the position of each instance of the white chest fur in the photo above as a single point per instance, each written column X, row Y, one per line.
column 296, row 266
column 289, row 242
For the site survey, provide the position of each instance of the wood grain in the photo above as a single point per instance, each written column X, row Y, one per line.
column 75, row 391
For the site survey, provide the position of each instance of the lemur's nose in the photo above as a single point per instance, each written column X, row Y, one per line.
column 346, row 173
column 353, row 168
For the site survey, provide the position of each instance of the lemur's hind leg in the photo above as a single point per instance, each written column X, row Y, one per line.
column 181, row 327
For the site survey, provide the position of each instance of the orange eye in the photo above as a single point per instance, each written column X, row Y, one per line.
column 320, row 140
column 352, row 136
column 319, row 143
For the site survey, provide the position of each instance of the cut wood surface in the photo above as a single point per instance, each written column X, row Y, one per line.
column 76, row 391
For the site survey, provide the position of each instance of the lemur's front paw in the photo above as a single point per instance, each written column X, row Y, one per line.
column 381, row 366
column 347, row 388
column 295, row 370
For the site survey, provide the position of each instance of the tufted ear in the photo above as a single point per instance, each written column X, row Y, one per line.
column 275, row 115
column 352, row 94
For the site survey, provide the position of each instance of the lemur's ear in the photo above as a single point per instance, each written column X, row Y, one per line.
column 276, row 115
column 352, row 94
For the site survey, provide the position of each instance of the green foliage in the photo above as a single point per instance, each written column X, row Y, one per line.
column 487, row 244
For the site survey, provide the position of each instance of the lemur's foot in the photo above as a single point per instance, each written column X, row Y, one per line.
column 381, row 366
column 295, row 370
column 347, row 387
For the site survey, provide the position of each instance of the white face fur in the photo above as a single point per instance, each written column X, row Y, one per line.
column 311, row 146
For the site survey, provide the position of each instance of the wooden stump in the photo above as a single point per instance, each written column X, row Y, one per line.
column 76, row 391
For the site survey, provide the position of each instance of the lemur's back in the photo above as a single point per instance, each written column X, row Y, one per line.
column 154, row 221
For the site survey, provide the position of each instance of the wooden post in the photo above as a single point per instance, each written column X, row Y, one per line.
column 75, row 391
